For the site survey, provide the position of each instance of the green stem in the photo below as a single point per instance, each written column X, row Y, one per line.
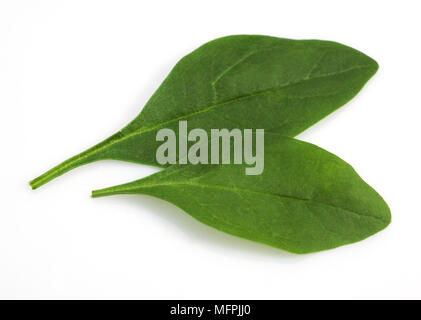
column 104, row 192
column 82, row 158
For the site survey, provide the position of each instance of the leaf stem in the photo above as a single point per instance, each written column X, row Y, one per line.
column 58, row 170
column 85, row 157
column 125, row 188
column 104, row 192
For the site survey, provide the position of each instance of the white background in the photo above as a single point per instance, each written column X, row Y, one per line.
column 74, row 72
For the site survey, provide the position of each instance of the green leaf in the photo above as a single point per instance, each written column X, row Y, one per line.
column 306, row 200
column 246, row 81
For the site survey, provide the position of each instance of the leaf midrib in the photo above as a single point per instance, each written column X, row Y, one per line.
column 240, row 98
column 211, row 107
column 236, row 189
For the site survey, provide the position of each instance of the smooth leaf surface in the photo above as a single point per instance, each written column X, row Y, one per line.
column 306, row 199
column 245, row 82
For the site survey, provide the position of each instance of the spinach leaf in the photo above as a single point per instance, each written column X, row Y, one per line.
column 244, row 81
column 306, row 200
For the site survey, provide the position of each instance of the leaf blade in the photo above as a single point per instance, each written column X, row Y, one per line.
column 306, row 200
column 244, row 81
